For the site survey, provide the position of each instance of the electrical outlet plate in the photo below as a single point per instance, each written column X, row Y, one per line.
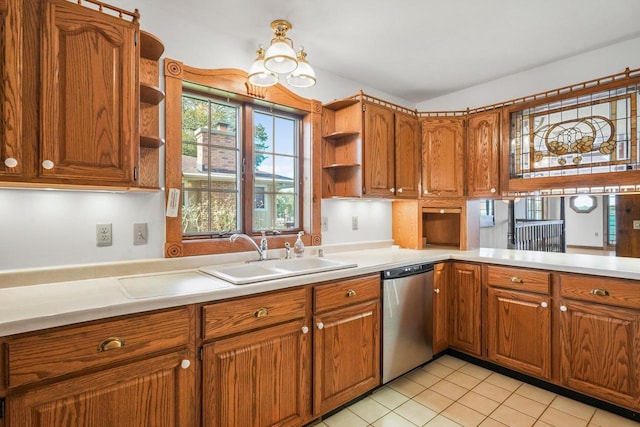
column 140, row 234
column 103, row 235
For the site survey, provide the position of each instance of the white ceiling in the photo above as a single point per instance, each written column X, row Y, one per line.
column 421, row 49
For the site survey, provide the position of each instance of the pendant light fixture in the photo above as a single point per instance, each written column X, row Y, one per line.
column 280, row 58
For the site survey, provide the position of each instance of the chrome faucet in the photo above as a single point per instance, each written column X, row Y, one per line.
column 262, row 249
column 264, row 246
column 287, row 250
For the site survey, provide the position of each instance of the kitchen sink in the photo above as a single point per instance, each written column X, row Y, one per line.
column 271, row 270
column 180, row 283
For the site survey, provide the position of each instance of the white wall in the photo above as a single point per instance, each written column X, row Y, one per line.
column 374, row 220
column 587, row 66
column 496, row 236
column 584, row 229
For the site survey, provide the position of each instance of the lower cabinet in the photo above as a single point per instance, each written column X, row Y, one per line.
column 346, row 342
column 440, row 307
column 519, row 331
column 600, row 338
column 465, row 332
column 259, row 378
column 518, row 327
column 153, row 392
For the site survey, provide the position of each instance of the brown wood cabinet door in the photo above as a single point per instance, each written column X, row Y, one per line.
column 153, row 392
column 519, row 331
column 440, row 308
column 12, row 155
column 259, row 379
column 483, row 140
column 442, row 156
column 379, row 175
column 89, row 96
column 407, row 157
column 601, row 351
column 346, row 355
column 465, row 306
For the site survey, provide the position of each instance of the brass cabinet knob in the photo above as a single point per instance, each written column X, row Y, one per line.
column 110, row 344
column 516, row 279
column 261, row 312
column 351, row 293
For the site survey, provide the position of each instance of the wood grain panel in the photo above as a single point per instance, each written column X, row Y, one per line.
column 519, row 331
column 89, row 105
column 11, row 71
column 465, row 333
column 600, row 348
column 230, row 317
column 407, row 156
column 60, row 351
column 153, row 392
column 442, row 156
column 337, row 294
column 624, row 293
column 483, row 144
column 627, row 237
column 379, row 151
column 440, row 307
column 519, row 279
column 262, row 378
column 346, row 355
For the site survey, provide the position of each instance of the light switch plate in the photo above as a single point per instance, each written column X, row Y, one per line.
column 140, row 234
column 636, row 224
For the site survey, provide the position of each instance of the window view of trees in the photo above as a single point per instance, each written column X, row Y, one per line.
column 212, row 154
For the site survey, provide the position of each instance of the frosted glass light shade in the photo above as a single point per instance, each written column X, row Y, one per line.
column 260, row 76
column 280, row 58
column 303, row 76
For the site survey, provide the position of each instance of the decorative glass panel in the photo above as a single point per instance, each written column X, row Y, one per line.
column 590, row 134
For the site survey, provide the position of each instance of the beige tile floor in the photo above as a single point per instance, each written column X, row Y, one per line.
column 451, row 392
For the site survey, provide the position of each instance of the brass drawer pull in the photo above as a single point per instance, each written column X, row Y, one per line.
column 516, row 279
column 600, row 292
column 261, row 312
column 110, row 343
column 351, row 293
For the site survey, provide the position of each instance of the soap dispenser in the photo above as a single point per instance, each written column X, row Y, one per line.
column 298, row 246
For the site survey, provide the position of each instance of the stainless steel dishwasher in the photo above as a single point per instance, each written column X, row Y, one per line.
column 407, row 329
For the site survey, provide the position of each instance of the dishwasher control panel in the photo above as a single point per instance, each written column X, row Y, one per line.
column 409, row 270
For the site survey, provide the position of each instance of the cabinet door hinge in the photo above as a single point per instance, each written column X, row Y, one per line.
column 135, row 173
column 2, row 408
column 364, row 107
column 201, row 353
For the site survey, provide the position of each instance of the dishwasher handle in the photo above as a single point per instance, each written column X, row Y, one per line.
column 408, row 270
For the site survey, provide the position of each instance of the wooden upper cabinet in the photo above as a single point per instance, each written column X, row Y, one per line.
column 483, row 142
column 379, row 169
column 89, row 96
column 12, row 156
column 407, row 156
column 442, row 156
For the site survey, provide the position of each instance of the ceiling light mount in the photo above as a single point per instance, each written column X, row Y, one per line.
column 281, row 58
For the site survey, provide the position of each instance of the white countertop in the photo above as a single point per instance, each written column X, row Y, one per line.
column 40, row 306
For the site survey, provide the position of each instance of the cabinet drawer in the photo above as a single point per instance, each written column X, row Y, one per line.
column 518, row 278
column 226, row 318
column 68, row 350
column 625, row 293
column 345, row 292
